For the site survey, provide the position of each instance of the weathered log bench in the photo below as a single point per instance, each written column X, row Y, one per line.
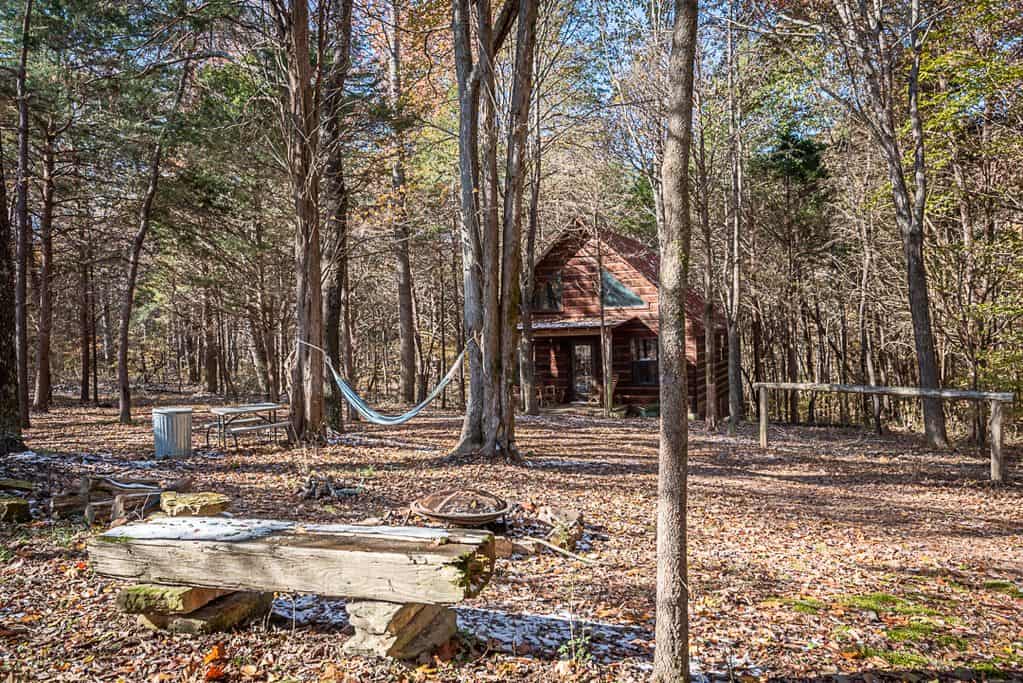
column 399, row 581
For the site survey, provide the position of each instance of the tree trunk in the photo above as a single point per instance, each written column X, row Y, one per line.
column 480, row 252
column 511, row 261
column 735, row 404
column 471, row 438
column 302, row 136
column 399, row 217
column 337, row 316
column 135, row 255
column 527, row 365
column 23, row 235
column 10, row 413
column 44, row 323
column 211, row 354
column 709, row 324
column 85, row 307
column 671, row 657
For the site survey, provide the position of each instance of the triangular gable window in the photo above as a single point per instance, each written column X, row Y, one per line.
column 617, row 295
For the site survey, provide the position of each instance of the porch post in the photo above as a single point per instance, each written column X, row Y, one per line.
column 999, row 472
column 763, row 416
column 607, row 366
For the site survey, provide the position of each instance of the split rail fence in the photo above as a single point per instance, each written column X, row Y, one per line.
column 996, row 399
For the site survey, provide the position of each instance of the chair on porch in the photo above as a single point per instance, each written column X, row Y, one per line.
column 597, row 394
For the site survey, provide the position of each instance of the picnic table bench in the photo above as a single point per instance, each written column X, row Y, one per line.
column 245, row 419
column 399, row 581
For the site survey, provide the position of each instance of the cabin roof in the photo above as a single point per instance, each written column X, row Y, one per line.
column 642, row 258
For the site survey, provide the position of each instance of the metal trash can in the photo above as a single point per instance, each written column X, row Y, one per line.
column 172, row 429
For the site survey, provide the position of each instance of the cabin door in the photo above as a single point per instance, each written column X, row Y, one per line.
column 582, row 370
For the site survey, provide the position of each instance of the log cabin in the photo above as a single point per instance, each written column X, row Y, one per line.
column 566, row 324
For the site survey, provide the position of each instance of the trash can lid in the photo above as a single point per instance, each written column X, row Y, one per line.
column 172, row 410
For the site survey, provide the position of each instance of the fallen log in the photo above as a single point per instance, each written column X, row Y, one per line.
column 393, row 564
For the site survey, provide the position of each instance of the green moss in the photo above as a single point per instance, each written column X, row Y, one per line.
column 885, row 602
column 106, row 538
column 899, row 658
column 955, row 642
column 805, row 605
column 993, row 669
column 1006, row 587
column 912, row 632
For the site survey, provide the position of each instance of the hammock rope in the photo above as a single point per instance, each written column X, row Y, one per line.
column 373, row 416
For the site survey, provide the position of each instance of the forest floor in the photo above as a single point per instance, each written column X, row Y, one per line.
column 832, row 552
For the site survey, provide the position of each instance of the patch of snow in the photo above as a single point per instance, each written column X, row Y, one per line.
column 416, row 533
column 142, row 464
column 350, row 439
column 30, row 457
column 303, row 610
column 199, row 529
column 546, row 634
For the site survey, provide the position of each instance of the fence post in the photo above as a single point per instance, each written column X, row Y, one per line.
column 998, row 469
column 763, row 417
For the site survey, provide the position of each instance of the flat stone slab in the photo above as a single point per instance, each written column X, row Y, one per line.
column 384, row 629
column 150, row 598
column 193, row 504
column 14, row 509
column 222, row 614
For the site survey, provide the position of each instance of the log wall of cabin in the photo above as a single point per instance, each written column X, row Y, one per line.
column 576, row 260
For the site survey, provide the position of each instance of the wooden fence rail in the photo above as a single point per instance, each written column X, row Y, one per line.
column 999, row 470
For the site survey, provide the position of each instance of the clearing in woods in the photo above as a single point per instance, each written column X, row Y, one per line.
column 834, row 550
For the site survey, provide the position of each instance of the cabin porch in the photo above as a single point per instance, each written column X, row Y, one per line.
column 569, row 369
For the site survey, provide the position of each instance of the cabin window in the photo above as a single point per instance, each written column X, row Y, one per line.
column 616, row 294
column 547, row 294
column 644, row 360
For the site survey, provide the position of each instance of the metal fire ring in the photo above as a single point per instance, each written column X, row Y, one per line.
column 462, row 507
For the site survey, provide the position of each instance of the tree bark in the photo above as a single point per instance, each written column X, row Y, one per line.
column 527, row 365
column 399, row 217
column 337, row 317
column 735, row 404
column 85, row 307
column 480, row 248
column 471, row 438
column 10, row 413
column 301, row 131
column 211, row 354
column 671, row 657
column 511, row 261
column 44, row 323
column 709, row 324
column 24, row 228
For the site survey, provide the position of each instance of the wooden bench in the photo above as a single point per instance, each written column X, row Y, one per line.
column 258, row 426
column 399, row 581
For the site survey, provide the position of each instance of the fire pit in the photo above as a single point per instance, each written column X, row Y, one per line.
column 462, row 507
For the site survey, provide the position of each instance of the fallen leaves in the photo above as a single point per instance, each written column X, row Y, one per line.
column 783, row 544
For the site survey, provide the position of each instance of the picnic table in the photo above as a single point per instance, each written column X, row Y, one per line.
column 252, row 417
